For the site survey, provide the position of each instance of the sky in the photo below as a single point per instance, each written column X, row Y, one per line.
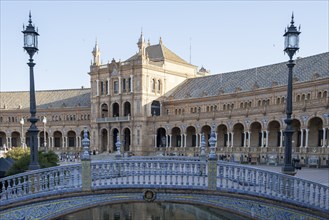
column 222, row 36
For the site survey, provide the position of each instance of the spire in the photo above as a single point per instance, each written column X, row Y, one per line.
column 160, row 40
column 292, row 19
column 141, row 44
column 96, row 54
column 148, row 42
column 30, row 17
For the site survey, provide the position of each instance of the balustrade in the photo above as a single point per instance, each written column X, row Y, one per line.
column 165, row 172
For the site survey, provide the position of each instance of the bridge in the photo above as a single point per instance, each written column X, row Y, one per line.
column 246, row 190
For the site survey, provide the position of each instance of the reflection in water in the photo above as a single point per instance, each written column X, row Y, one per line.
column 151, row 211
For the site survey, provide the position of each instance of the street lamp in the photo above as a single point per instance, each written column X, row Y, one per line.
column 44, row 121
column 31, row 46
column 22, row 138
column 291, row 45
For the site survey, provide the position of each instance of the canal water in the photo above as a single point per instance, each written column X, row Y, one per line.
column 151, row 211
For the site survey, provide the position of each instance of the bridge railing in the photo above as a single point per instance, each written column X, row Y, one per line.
column 156, row 173
column 250, row 180
column 40, row 183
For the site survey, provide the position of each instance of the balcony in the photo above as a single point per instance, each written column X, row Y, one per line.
column 113, row 119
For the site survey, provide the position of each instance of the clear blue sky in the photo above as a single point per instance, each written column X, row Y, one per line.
column 225, row 35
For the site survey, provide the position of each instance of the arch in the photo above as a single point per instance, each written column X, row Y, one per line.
column 43, row 138
column 104, row 142
column 104, row 110
column 3, row 139
column 315, row 126
column 126, row 109
column 71, row 138
column 161, row 137
column 58, row 139
column 115, row 110
column 274, row 133
column 126, row 139
column 190, row 136
column 155, row 108
column 296, row 135
column 255, row 134
column 15, row 139
column 222, row 135
column 115, row 133
column 176, row 137
column 238, row 135
column 206, row 130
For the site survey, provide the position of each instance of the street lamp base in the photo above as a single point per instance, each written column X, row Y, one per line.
column 34, row 166
column 289, row 170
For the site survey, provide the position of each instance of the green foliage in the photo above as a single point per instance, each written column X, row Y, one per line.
column 46, row 159
column 18, row 152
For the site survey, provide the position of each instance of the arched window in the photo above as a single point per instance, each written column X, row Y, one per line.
column 115, row 110
column 153, row 85
column 159, row 86
column 127, row 109
column 325, row 94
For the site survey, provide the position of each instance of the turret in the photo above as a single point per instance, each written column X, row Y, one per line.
column 96, row 55
column 141, row 45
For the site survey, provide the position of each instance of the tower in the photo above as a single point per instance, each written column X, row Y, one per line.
column 141, row 45
column 96, row 54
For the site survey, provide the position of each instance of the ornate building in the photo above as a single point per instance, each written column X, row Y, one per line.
column 157, row 103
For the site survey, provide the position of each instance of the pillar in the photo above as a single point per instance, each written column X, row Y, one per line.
column 262, row 139
column 167, row 144
column 97, row 87
column 324, row 137
column 108, row 86
column 131, row 83
column 306, row 139
column 155, row 140
column 249, row 138
column 184, row 140
column 301, row 137
column 281, row 138
column 181, row 140
column 119, row 84
column 232, row 139
column 170, row 140
column 266, row 138
column 196, row 140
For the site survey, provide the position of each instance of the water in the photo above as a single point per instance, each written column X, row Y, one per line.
column 151, row 211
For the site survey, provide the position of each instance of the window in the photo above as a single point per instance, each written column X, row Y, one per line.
column 102, row 88
column 116, row 87
column 159, row 86
column 153, row 85
column 129, row 85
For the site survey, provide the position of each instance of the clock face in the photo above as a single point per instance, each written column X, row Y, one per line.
column 29, row 41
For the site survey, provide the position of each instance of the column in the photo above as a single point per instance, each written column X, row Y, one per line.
column 97, row 87
column 155, row 140
column 185, row 140
column 131, row 83
column 262, row 139
column 306, row 139
column 229, row 139
column 63, row 142
column 244, row 139
column 196, row 140
column 281, row 137
column 249, row 138
column 167, row 136
column 76, row 142
column 232, row 139
column 108, row 86
column 53, row 142
column 324, row 137
column 119, row 84
column 301, row 137
column 38, row 138
column 181, row 140
column 170, row 140
column 266, row 142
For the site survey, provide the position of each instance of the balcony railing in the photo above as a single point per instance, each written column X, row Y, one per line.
column 113, row 119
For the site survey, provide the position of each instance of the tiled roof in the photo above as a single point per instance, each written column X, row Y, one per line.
column 306, row 69
column 46, row 99
column 159, row 52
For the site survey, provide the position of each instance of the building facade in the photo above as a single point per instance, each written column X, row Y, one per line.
column 157, row 103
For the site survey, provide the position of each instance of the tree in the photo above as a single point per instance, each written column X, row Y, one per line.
column 46, row 159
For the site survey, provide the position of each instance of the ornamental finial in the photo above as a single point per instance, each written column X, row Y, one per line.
column 30, row 17
column 292, row 19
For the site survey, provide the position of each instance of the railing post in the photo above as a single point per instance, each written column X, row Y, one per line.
column 212, row 163
column 85, row 163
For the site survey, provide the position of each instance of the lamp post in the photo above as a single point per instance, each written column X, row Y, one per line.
column 291, row 45
column 31, row 46
column 44, row 121
column 22, row 138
